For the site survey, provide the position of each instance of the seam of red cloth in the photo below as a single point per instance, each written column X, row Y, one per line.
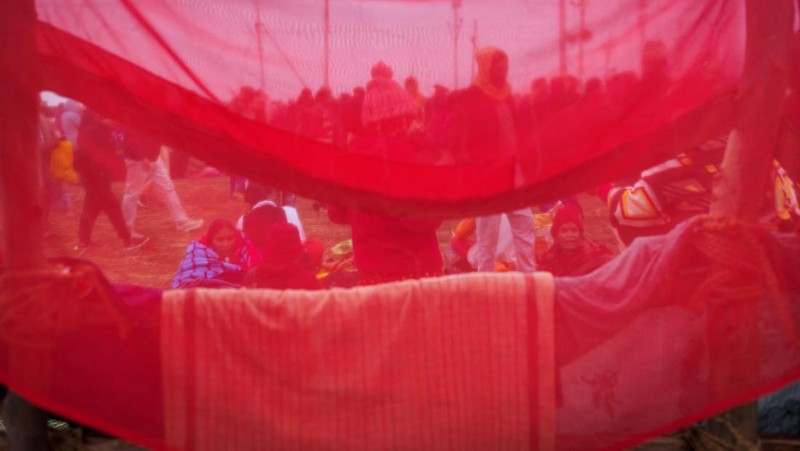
column 540, row 289
column 189, row 315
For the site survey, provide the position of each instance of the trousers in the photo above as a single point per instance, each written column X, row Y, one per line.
column 99, row 198
column 487, row 231
column 138, row 172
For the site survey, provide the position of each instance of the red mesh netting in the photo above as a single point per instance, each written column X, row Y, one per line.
column 512, row 103
column 708, row 320
column 223, row 82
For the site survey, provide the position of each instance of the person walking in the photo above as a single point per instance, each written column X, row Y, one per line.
column 94, row 161
column 143, row 163
column 486, row 131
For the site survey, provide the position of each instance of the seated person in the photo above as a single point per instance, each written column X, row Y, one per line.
column 254, row 223
column 220, row 258
column 257, row 196
column 572, row 254
column 285, row 264
column 388, row 248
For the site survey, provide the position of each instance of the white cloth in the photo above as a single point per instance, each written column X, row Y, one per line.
column 138, row 172
column 487, row 233
column 71, row 121
column 505, row 245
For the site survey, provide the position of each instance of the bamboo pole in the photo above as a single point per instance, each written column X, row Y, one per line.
column 457, row 22
column 562, row 37
column 327, row 82
column 23, row 203
column 747, row 163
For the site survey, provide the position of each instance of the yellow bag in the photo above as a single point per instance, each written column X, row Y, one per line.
column 61, row 162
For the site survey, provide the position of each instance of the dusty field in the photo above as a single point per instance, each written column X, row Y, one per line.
column 154, row 264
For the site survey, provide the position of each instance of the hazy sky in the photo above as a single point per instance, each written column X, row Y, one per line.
column 218, row 42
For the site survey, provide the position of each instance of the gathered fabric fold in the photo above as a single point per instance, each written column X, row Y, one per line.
column 676, row 329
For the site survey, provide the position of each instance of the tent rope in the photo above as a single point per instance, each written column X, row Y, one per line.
column 741, row 267
column 700, row 438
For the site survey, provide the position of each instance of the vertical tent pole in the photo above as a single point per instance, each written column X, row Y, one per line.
column 748, row 157
column 327, row 69
column 259, row 28
column 562, row 37
column 22, row 186
column 582, row 37
column 474, row 40
column 457, row 20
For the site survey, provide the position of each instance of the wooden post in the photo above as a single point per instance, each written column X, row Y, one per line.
column 748, row 157
column 21, row 175
column 747, row 163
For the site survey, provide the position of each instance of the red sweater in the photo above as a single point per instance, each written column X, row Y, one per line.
column 388, row 247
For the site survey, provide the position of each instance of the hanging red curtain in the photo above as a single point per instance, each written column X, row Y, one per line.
column 620, row 86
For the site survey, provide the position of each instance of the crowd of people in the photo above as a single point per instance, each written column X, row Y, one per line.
column 264, row 249
column 268, row 246
column 548, row 105
column 77, row 145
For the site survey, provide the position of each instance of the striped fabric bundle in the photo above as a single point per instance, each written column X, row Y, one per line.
column 428, row 364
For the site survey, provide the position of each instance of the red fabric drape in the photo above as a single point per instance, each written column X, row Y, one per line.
column 601, row 361
column 621, row 86
column 643, row 83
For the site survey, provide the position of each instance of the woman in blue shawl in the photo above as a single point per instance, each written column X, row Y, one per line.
column 220, row 258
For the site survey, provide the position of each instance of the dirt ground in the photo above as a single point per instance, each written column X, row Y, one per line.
column 155, row 264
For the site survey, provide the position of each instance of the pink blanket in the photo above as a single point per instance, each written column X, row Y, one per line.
column 432, row 364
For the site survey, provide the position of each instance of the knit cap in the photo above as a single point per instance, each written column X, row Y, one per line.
column 385, row 98
column 566, row 215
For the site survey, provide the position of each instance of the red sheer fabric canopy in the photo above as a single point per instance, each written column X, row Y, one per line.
column 596, row 90
column 474, row 361
column 446, row 108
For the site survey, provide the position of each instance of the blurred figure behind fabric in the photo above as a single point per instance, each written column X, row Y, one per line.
column 62, row 162
column 411, row 86
column 572, row 254
column 485, row 131
column 143, row 164
column 257, row 196
column 94, row 161
column 284, row 264
column 389, row 248
column 70, row 120
column 56, row 163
